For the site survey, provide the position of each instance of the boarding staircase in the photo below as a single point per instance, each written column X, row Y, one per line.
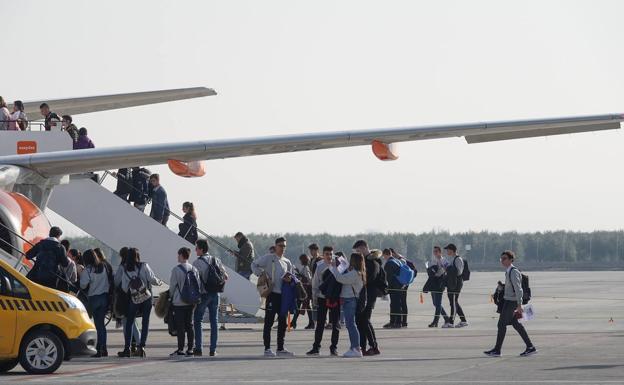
column 114, row 222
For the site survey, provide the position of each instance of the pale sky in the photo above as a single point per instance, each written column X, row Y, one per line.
column 284, row 67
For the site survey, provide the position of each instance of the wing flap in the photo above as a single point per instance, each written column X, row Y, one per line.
column 483, row 138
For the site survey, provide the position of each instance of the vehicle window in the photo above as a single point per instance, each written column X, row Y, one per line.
column 15, row 287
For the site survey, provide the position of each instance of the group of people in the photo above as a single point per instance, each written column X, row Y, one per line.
column 17, row 120
column 325, row 284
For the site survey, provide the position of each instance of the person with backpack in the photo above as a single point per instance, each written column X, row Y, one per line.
column 408, row 270
column 454, row 285
column 392, row 268
column 274, row 267
column 511, row 308
column 377, row 286
column 140, row 187
column 124, row 183
column 137, row 279
column 319, row 301
column 212, row 276
column 121, row 302
column 188, row 228
column 50, row 258
column 184, row 289
column 353, row 297
column 97, row 279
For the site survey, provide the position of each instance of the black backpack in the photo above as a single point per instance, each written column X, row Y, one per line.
column 215, row 278
column 526, row 289
column 330, row 287
column 466, row 273
column 380, row 282
column 46, row 268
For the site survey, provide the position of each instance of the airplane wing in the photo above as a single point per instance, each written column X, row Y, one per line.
column 98, row 159
column 74, row 106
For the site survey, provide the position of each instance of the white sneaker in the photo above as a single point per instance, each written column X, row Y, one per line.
column 269, row 353
column 447, row 326
column 352, row 353
column 285, row 353
column 461, row 325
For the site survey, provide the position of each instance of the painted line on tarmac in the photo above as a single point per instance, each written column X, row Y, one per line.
column 87, row 371
column 229, row 380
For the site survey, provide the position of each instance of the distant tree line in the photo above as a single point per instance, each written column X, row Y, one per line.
column 552, row 248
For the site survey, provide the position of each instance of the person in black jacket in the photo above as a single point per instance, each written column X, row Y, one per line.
column 392, row 267
column 188, row 228
column 140, row 187
column 373, row 274
column 49, row 256
column 124, row 183
column 160, row 203
column 244, row 255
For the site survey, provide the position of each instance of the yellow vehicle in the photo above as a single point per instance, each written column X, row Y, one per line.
column 40, row 327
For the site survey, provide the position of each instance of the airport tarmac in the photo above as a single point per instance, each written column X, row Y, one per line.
column 579, row 331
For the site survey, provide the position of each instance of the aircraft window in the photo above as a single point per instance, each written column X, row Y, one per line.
column 12, row 287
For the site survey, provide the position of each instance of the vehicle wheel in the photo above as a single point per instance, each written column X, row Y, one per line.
column 42, row 352
column 5, row 366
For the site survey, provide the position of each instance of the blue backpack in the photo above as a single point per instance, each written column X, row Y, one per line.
column 406, row 274
column 190, row 291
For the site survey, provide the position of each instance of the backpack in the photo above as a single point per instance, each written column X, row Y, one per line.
column 406, row 274
column 46, row 268
column 380, row 282
column 215, row 279
column 526, row 290
column 190, row 291
column 330, row 287
column 466, row 273
column 139, row 292
column 265, row 282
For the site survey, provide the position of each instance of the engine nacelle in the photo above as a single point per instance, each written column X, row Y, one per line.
column 192, row 169
column 384, row 151
column 23, row 217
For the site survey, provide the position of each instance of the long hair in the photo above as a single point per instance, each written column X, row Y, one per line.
column 133, row 259
column 2, row 102
column 91, row 259
column 19, row 105
column 190, row 207
column 357, row 263
column 100, row 254
column 123, row 254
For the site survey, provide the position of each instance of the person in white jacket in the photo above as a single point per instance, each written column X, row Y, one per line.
column 353, row 281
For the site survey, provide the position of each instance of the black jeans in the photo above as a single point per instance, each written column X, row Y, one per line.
column 334, row 320
column 507, row 318
column 272, row 308
column 183, row 317
column 404, row 310
column 367, row 332
column 395, row 306
column 453, row 300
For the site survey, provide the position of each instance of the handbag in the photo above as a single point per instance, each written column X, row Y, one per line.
column 265, row 283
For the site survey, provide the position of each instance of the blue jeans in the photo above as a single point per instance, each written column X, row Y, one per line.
column 210, row 301
column 135, row 330
column 99, row 307
column 439, row 309
column 350, row 307
column 145, row 308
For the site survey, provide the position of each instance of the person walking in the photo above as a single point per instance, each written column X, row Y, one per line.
column 97, row 279
column 512, row 308
column 353, row 280
column 160, row 204
column 244, row 256
column 304, row 275
column 454, row 285
column 276, row 266
column 124, row 183
column 140, row 187
column 188, row 228
column 213, row 276
column 137, row 280
column 50, row 260
column 435, row 285
column 322, row 310
column 181, row 275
